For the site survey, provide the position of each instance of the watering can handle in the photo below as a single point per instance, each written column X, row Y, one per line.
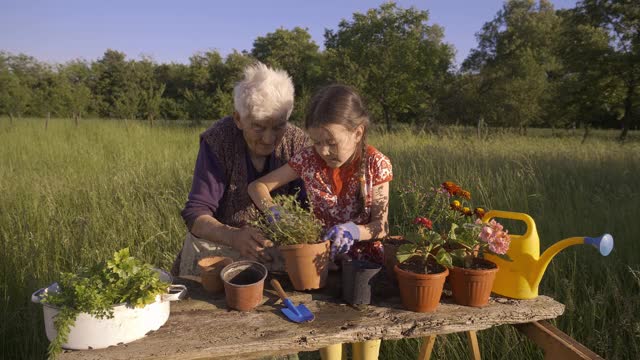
column 276, row 285
column 528, row 220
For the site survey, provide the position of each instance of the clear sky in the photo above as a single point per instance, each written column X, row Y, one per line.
column 171, row 31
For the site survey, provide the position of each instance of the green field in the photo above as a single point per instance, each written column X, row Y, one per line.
column 70, row 196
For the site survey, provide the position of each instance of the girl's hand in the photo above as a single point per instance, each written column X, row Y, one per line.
column 342, row 237
column 273, row 214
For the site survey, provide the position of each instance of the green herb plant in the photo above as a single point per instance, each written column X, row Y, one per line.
column 296, row 225
column 95, row 290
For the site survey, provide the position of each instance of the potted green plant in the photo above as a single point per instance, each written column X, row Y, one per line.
column 422, row 267
column 471, row 277
column 297, row 234
column 116, row 301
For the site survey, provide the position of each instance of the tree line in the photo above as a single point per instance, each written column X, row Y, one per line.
column 533, row 66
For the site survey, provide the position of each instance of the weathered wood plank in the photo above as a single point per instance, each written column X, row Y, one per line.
column 204, row 329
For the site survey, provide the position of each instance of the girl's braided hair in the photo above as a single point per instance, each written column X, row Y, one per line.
column 341, row 104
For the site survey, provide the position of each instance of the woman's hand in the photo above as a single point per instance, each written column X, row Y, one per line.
column 250, row 243
column 342, row 237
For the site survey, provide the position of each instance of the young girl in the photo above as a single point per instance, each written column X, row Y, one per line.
column 347, row 181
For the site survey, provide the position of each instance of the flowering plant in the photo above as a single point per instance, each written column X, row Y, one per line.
column 424, row 244
column 454, row 226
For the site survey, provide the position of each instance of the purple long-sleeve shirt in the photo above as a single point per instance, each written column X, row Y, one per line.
column 209, row 184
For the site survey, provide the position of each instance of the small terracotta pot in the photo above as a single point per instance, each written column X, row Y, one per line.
column 420, row 292
column 210, row 268
column 472, row 287
column 391, row 245
column 243, row 284
column 307, row 264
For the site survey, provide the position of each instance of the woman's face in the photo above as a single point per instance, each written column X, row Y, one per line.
column 335, row 143
column 261, row 135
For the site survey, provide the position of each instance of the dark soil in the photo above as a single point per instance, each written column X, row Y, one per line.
column 480, row 264
column 246, row 277
column 416, row 265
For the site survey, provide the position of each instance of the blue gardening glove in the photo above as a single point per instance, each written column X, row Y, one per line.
column 273, row 214
column 342, row 237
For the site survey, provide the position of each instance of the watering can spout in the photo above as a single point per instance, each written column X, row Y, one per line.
column 603, row 243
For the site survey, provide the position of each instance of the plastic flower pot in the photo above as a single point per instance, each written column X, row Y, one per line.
column 420, row 292
column 243, row 284
column 307, row 264
column 356, row 280
column 210, row 268
column 472, row 287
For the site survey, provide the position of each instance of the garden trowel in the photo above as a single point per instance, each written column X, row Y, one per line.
column 294, row 313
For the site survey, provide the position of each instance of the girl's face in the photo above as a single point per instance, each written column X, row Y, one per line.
column 335, row 143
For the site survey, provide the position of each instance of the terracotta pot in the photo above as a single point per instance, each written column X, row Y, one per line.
column 307, row 264
column 420, row 292
column 472, row 287
column 243, row 284
column 391, row 245
column 210, row 268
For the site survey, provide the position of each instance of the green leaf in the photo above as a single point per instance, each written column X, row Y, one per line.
column 458, row 256
column 444, row 258
column 406, row 251
column 452, row 231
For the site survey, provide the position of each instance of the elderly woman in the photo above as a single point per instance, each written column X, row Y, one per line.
column 235, row 151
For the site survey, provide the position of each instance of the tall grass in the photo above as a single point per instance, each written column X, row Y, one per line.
column 70, row 196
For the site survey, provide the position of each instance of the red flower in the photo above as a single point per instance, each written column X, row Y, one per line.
column 424, row 222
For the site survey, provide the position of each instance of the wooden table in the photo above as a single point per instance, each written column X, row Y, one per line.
column 202, row 328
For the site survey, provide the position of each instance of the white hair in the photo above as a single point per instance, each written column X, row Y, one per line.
column 264, row 92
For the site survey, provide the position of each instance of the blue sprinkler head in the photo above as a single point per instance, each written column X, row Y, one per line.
column 603, row 243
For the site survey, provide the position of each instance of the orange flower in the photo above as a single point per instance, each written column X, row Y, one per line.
column 465, row 194
column 451, row 187
column 455, row 205
column 479, row 212
column 467, row 211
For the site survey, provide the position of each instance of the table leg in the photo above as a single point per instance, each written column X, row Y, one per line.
column 333, row 352
column 366, row 350
column 473, row 345
column 427, row 347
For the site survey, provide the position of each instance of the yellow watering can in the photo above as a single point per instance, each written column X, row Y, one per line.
column 519, row 279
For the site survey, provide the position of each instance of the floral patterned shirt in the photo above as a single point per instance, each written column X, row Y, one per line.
column 333, row 192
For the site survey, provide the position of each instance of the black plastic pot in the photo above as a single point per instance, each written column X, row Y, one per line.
column 356, row 280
